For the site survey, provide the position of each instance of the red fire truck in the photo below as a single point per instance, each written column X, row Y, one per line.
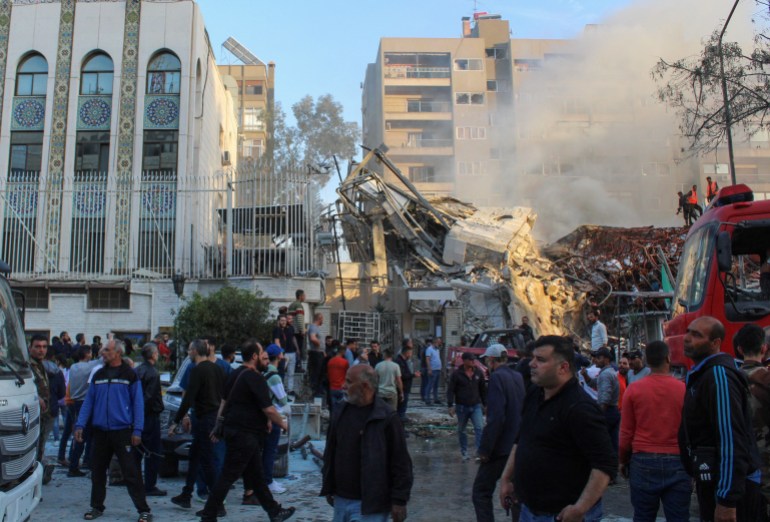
column 723, row 271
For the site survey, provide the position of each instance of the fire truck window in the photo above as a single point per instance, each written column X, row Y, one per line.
column 692, row 278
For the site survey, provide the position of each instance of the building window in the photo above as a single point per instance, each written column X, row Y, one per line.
column 108, row 299
column 253, row 148
column 32, row 76
column 469, row 98
column 424, row 174
column 524, row 65
column 253, row 88
column 469, row 64
column 26, row 152
column 164, row 74
column 498, row 86
column 253, row 119
column 471, row 133
column 92, row 152
column 498, row 53
column 471, row 168
column 97, row 74
column 35, row 297
column 160, row 151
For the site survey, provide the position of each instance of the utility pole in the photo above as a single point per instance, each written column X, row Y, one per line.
column 725, row 98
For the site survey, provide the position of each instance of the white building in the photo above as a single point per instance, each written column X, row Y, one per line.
column 117, row 135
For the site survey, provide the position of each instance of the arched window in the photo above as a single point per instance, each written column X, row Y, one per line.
column 97, row 73
column 32, row 76
column 164, row 74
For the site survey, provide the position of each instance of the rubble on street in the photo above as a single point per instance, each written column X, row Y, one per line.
column 490, row 257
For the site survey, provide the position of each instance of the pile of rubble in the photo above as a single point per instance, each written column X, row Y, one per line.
column 489, row 257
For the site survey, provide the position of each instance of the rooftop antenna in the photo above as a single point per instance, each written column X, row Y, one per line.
column 241, row 52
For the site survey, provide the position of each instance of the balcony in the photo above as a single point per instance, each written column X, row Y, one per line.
column 418, row 110
column 413, row 74
column 422, row 147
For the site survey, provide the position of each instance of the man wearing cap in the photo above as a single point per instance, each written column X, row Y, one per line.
column 608, row 391
column 279, row 399
column 639, row 369
column 505, row 400
column 466, row 388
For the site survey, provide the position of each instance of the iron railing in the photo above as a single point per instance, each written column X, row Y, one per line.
column 233, row 223
column 408, row 71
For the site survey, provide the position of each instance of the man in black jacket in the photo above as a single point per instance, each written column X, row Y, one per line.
column 406, row 363
column 716, row 438
column 153, row 406
column 467, row 388
column 367, row 468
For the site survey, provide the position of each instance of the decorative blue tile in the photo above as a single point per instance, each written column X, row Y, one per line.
column 28, row 113
column 161, row 111
column 94, row 113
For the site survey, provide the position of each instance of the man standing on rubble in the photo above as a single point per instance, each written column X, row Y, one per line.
column 712, row 189
column 599, row 337
column 684, row 208
column 692, row 199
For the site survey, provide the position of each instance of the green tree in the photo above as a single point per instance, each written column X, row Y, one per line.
column 321, row 133
column 692, row 87
column 229, row 314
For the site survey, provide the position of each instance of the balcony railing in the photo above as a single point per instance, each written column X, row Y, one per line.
column 408, row 71
column 428, row 106
column 423, row 143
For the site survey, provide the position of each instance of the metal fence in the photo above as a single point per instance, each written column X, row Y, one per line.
column 154, row 224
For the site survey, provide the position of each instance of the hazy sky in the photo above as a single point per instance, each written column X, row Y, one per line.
column 324, row 46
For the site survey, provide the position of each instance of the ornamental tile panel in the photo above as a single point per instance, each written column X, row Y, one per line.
column 58, row 134
column 161, row 111
column 126, row 126
column 5, row 27
column 94, row 113
column 28, row 113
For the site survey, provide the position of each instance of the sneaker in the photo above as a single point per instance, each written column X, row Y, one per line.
column 201, row 498
column 155, row 492
column 76, row 473
column 221, row 512
column 182, row 501
column 250, row 500
column 145, row 517
column 276, row 488
column 465, row 456
column 47, row 473
column 282, row 514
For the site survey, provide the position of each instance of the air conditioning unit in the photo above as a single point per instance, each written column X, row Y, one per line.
column 226, row 158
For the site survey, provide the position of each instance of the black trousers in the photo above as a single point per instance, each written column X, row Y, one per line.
column 243, row 456
column 484, row 487
column 750, row 508
column 105, row 445
column 314, row 366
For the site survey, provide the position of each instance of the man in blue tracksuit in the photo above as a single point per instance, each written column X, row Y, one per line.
column 114, row 405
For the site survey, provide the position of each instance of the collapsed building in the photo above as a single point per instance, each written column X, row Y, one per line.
column 439, row 266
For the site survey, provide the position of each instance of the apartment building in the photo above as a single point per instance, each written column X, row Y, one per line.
column 255, row 88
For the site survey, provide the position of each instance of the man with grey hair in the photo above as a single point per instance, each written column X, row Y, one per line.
column 114, row 406
column 153, row 406
column 365, row 434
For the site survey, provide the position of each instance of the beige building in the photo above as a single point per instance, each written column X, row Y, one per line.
column 255, row 86
column 494, row 120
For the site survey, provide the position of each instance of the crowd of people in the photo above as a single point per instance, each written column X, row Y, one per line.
column 557, row 433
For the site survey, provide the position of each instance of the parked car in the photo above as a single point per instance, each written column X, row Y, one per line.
column 176, row 447
column 510, row 338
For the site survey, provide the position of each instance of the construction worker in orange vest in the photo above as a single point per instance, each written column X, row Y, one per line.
column 692, row 199
column 711, row 189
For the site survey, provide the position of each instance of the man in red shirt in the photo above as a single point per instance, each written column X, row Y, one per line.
column 336, row 369
column 652, row 412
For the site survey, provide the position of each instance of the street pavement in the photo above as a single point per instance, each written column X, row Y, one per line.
column 442, row 486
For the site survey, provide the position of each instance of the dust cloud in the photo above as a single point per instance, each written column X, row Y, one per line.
column 589, row 141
